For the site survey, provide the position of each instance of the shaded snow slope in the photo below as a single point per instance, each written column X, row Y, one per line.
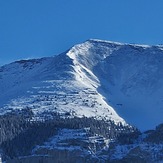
column 90, row 79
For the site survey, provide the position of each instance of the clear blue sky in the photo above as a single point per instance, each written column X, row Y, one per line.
column 36, row 28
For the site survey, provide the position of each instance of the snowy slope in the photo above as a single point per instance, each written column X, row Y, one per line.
column 52, row 85
column 90, row 79
column 130, row 77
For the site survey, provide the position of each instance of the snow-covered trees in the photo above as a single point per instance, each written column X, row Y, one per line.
column 19, row 134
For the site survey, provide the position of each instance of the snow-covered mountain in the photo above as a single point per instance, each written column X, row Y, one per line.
column 76, row 106
column 102, row 79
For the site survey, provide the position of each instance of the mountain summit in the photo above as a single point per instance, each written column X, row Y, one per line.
column 100, row 79
column 82, row 105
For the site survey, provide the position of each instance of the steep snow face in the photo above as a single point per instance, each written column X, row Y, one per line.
column 87, row 56
column 135, row 84
column 129, row 76
column 90, row 79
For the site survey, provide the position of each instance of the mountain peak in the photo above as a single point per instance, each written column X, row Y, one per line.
column 118, row 43
column 104, row 41
column 90, row 79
